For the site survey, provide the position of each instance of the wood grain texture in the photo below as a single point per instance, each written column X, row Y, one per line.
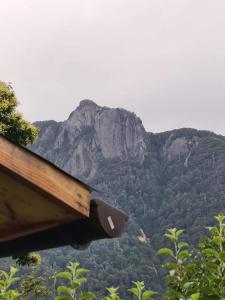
column 44, row 176
column 35, row 195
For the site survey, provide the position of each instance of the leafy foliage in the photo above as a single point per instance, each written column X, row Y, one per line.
column 30, row 259
column 140, row 293
column 197, row 275
column 191, row 274
column 6, row 281
column 15, row 128
column 34, row 286
column 75, row 277
column 112, row 294
column 161, row 192
column 12, row 124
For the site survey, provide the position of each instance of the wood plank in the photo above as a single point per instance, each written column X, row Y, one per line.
column 61, row 188
column 24, row 210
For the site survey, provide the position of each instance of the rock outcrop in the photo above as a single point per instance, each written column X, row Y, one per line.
column 92, row 132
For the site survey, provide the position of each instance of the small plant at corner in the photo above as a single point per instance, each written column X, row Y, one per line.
column 181, row 267
column 6, row 281
column 35, row 286
column 112, row 294
column 140, row 293
column 74, row 278
column 200, row 277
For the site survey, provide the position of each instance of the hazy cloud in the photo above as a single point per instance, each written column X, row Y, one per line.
column 163, row 59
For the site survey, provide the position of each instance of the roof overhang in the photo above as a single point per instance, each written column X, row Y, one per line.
column 43, row 207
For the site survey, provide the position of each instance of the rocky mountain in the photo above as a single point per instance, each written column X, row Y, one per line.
column 170, row 179
column 90, row 134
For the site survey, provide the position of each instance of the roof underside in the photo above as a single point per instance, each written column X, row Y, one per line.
column 42, row 207
column 35, row 195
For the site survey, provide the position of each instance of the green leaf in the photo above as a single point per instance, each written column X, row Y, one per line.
column 182, row 245
column 213, row 230
column 165, row 251
column 170, row 266
column 75, row 283
column 13, row 271
column 187, row 285
column 113, row 294
column 216, row 240
column 73, row 266
column 183, row 254
column 134, row 291
column 63, row 298
column 64, row 290
column 222, row 256
column 148, row 294
column 87, row 295
column 139, row 284
column 210, row 252
column 81, row 280
column 65, row 275
column 195, row 296
column 189, row 268
column 220, row 218
column 81, row 271
column 171, row 234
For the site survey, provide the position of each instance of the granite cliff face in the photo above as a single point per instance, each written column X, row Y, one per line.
column 165, row 180
column 90, row 134
column 93, row 134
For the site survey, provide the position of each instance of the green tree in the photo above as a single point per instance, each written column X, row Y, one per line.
column 18, row 130
column 12, row 124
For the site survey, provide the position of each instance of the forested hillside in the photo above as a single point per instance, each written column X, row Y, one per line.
column 170, row 179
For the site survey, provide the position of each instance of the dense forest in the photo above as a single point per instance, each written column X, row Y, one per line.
column 179, row 183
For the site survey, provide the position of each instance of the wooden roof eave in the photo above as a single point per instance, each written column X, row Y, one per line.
column 35, row 194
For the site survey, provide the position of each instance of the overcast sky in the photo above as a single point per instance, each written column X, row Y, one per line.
column 162, row 59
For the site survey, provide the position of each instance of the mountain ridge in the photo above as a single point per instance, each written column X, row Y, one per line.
column 162, row 180
column 110, row 133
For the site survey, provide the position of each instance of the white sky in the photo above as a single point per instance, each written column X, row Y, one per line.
column 162, row 59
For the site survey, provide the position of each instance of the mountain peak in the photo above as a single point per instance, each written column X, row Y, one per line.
column 87, row 103
column 92, row 133
column 86, row 106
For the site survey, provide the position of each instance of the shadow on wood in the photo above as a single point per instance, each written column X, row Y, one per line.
column 42, row 207
column 105, row 221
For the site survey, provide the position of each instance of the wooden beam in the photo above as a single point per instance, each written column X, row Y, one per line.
column 105, row 221
column 36, row 195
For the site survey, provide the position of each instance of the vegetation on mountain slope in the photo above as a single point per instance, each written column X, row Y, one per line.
column 193, row 274
column 180, row 183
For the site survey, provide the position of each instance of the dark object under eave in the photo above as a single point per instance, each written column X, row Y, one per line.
column 105, row 221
